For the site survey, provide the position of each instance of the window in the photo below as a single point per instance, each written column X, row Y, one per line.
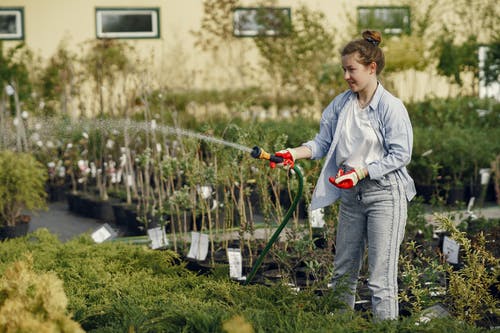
column 263, row 21
column 11, row 23
column 127, row 23
column 489, row 71
column 388, row 20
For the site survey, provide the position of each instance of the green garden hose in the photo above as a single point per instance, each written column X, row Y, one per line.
column 280, row 228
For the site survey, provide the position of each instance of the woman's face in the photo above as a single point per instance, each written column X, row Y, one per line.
column 356, row 74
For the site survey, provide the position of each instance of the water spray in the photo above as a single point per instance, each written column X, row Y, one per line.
column 255, row 152
column 259, row 153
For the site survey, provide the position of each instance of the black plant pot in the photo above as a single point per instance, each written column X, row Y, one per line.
column 56, row 193
column 426, row 192
column 455, row 195
column 134, row 228
column 72, row 198
column 80, row 204
column 101, row 210
column 120, row 217
column 20, row 229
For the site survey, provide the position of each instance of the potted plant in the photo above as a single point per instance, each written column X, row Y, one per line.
column 22, row 188
column 425, row 167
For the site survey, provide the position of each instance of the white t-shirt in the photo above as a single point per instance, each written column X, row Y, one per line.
column 358, row 145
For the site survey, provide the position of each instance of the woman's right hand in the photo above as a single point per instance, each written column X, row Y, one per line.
column 288, row 159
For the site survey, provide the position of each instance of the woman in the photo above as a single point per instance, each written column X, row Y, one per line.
column 366, row 138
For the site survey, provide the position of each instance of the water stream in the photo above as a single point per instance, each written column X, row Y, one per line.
column 41, row 131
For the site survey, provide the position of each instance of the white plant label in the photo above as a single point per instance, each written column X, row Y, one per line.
column 103, row 233
column 199, row 246
column 158, row 238
column 317, row 218
column 130, row 181
column 235, row 263
column 450, row 250
column 205, row 191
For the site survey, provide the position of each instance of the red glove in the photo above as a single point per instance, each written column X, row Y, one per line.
column 288, row 159
column 349, row 179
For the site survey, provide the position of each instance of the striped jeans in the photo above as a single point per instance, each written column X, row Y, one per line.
column 373, row 216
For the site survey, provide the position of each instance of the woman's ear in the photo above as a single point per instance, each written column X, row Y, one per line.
column 373, row 67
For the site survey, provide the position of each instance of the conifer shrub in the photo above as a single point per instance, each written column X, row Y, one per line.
column 116, row 287
column 33, row 302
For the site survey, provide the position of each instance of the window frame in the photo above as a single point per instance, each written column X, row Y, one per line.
column 256, row 32
column 19, row 13
column 492, row 89
column 155, row 22
column 404, row 30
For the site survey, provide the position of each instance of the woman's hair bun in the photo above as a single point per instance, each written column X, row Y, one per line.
column 372, row 36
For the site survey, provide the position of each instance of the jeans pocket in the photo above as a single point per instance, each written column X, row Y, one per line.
column 383, row 183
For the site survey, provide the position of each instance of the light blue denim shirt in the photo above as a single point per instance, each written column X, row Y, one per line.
column 391, row 122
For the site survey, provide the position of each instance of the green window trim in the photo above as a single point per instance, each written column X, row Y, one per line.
column 127, row 23
column 275, row 21
column 12, row 23
column 390, row 20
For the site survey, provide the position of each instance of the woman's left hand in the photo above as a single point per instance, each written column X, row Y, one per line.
column 349, row 179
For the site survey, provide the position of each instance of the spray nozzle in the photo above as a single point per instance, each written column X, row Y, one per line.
column 259, row 153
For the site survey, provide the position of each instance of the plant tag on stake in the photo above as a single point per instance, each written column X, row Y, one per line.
column 158, row 238
column 103, row 233
column 450, row 250
column 205, row 191
column 235, row 264
column 199, row 246
column 317, row 218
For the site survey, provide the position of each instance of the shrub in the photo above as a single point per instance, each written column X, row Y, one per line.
column 33, row 302
column 115, row 287
column 469, row 295
column 22, row 185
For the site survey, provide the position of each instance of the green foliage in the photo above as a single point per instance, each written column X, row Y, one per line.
column 405, row 52
column 33, row 302
column 105, row 60
column 59, row 80
column 216, row 24
column 15, row 70
column 300, row 61
column 466, row 18
column 492, row 62
column 416, row 224
column 469, row 293
column 456, row 44
column 115, row 287
column 119, row 287
column 452, row 139
column 22, row 185
column 472, row 112
column 421, row 275
column 454, row 60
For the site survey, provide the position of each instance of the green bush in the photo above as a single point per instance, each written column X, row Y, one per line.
column 22, row 185
column 453, row 139
column 470, row 293
column 464, row 112
column 115, row 287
